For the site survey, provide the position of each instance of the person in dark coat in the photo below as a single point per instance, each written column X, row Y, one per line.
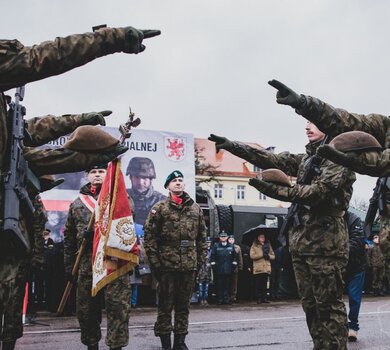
column 224, row 262
column 355, row 271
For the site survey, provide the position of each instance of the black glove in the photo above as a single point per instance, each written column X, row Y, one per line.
column 134, row 37
column 263, row 186
column 266, row 256
column 94, row 118
column 110, row 155
column 88, row 235
column 220, row 142
column 286, row 96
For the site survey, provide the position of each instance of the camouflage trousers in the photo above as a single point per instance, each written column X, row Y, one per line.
column 320, row 285
column 174, row 292
column 387, row 273
column 11, row 305
column 378, row 274
column 117, row 296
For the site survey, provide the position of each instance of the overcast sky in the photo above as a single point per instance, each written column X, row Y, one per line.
column 208, row 71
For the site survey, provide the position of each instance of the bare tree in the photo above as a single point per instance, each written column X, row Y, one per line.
column 204, row 168
column 359, row 203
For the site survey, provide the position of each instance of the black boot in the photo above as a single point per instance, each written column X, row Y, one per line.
column 119, row 348
column 178, row 343
column 166, row 341
column 93, row 347
column 9, row 345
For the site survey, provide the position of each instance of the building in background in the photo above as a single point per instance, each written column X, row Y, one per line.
column 226, row 177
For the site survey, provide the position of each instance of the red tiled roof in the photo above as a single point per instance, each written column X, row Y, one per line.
column 225, row 162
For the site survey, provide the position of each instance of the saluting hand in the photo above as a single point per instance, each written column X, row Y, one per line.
column 220, row 142
column 285, row 95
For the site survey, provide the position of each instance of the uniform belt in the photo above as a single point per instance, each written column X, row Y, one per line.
column 182, row 243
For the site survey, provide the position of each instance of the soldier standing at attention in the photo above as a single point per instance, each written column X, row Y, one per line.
column 141, row 172
column 175, row 243
column 319, row 244
column 116, row 294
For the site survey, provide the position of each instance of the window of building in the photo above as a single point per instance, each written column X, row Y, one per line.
column 218, row 191
column 240, row 192
column 256, row 169
column 262, row 196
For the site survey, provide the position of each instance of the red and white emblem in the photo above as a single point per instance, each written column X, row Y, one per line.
column 175, row 148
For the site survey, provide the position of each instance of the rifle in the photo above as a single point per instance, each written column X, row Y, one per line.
column 17, row 175
column 312, row 169
column 125, row 130
column 377, row 202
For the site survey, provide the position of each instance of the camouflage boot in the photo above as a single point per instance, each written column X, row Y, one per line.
column 178, row 342
column 166, row 341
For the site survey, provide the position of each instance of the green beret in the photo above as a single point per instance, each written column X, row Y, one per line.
column 173, row 175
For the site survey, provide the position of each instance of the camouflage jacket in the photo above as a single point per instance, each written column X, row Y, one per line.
column 322, row 230
column 40, row 220
column 175, row 236
column 77, row 221
column 143, row 202
column 375, row 256
column 384, row 233
column 334, row 121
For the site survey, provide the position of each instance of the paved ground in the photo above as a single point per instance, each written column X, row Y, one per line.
column 280, row 325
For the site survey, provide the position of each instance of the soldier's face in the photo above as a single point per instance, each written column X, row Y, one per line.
column 140, row 184
column 313, row 133
column 176, row 186
column 96, row 176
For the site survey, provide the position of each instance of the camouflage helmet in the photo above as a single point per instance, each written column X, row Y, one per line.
column 276, row 176
column 142, row 167
column 88, row 138
column 352, row 141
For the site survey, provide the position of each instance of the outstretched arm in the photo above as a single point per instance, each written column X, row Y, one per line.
column 330, row 120
column 20, row 65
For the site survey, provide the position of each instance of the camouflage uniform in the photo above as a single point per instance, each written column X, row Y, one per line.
column 319, row 245
column 12, row 327
column 175, row 243
column 143, row 202
column 116, row 295
column 335, row 121
column 377, row 262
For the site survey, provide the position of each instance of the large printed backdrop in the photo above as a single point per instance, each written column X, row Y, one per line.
column 168, row 151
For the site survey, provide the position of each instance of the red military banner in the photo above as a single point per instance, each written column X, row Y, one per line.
column 115, row 251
